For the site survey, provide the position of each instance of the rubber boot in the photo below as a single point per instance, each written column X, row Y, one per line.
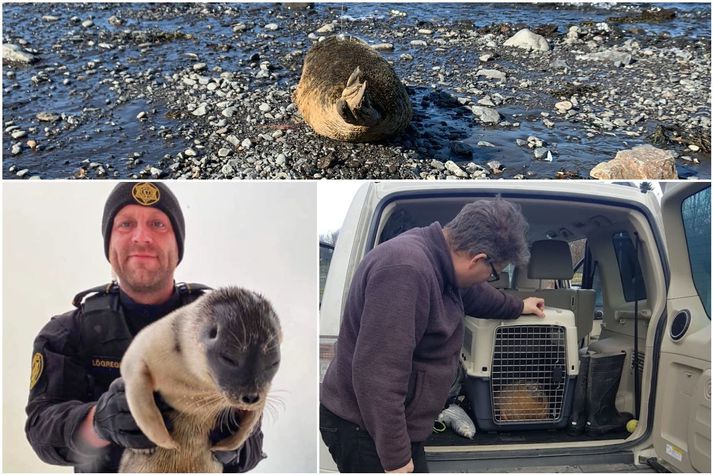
column 602, row 385
column 578, row 418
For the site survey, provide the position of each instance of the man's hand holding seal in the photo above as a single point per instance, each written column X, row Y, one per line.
column 113, row 420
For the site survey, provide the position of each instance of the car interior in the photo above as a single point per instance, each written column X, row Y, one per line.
column 584, row 261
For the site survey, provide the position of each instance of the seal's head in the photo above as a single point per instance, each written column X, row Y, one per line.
column 241, row 336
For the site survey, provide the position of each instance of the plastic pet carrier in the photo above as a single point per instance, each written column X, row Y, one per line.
column 521, row 374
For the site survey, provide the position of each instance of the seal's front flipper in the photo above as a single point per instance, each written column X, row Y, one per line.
column 248, row 422
column 354, row 106
column 139, row 395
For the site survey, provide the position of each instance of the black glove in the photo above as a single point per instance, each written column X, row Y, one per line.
column 244, row 458
column 114, row 422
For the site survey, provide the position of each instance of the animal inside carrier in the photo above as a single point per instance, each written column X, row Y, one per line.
column 520, row 374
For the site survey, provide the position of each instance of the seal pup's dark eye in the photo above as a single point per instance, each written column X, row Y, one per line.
column 213, row 332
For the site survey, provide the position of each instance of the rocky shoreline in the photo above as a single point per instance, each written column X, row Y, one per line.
column 482, row 108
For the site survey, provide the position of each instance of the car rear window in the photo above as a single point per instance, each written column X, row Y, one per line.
column 696, row 213
column 632, row 280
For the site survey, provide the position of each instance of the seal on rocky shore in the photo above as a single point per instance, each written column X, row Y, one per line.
column 348, row 92
column 216, row 354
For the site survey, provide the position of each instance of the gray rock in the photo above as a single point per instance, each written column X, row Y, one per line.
column 534, row 142
column 383, row 46
column 246, row 143
column 224, row 152
column 16, row 149
column 50, row 18
column 141, row 115
column 155, row 172
column 528, row 40
column 644, row 162
column 438, row 165
column 484, row 58
column 486, row 101
column 87, row 23
column 18, row 134
column 495, row 166
column 326, row 29
column 563, row 106
column 280, row 160
column 610, row 55
column 491, row 74
column 227, row 170
column 418, row 43
column 13, row 53
column 540, row 153
column 233, row 140
column 23, row 172
column 199, row 66
column 521, row 142
column 265, row 107
column 486, row 115
column 272, row 26
column 200, row 110
column 229, row 112
column 189, row 152
column 455, row 169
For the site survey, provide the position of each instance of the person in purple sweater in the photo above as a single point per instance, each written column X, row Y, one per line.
column 402, row 331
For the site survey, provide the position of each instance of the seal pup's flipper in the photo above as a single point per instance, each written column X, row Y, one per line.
column 354, row 106
column 247, row 423
column 139, row 395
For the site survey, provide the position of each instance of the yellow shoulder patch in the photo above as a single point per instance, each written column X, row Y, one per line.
column 38, row 365
column 146, row 193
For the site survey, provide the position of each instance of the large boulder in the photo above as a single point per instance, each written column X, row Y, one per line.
column 528, row 40
column 644, row 162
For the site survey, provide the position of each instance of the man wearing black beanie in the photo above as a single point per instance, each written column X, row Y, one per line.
column 77, row 410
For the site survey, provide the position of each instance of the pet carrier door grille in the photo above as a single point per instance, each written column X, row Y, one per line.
column 529, row 374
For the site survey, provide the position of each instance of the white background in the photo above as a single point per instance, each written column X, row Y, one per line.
column 259, row 235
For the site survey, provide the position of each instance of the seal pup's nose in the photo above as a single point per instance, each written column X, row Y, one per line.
column 250, row 398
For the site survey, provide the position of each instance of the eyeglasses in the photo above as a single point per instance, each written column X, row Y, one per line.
column 494, row 276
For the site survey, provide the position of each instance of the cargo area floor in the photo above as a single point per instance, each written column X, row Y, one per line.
column 450, row 438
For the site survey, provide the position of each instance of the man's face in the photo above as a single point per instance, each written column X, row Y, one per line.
column 471, row 270
column 142, row 249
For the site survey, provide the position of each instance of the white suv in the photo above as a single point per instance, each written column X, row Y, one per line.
column 639, row 285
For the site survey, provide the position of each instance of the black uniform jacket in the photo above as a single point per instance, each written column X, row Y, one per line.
column 75, row 358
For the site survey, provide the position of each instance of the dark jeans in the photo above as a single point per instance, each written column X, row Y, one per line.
column 353, row 449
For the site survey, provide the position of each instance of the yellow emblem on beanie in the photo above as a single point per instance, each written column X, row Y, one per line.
column 146, row 193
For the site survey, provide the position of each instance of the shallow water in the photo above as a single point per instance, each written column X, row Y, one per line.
column 101, row 101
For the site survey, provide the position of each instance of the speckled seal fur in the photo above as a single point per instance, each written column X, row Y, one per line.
column 348, row 92
column 217, row 353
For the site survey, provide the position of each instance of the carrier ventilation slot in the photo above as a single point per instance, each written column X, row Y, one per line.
column 529, row 374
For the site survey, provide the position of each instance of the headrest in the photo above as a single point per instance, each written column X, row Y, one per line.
column 550, row 260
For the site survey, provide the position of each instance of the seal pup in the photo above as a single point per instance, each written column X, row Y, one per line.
column 348, row 92
column 216, row 354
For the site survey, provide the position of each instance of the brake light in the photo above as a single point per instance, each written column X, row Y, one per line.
column 327, row 351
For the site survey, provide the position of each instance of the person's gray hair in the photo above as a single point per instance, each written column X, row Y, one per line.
column 495, row 227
